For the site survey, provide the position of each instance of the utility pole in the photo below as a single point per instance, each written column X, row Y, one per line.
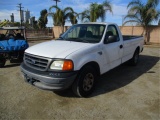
column 57, row 1
column 20, row 11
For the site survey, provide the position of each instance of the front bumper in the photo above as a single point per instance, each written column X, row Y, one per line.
column 48, row 80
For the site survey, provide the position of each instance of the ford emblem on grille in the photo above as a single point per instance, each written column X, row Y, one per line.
column 33, row 61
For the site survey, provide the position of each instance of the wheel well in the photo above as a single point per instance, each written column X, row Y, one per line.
column 138, row 48
column 94, row 65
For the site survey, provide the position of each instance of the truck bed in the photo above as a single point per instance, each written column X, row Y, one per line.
column 129, row 37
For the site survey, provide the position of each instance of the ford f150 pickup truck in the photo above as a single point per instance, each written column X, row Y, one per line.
column 81, row 54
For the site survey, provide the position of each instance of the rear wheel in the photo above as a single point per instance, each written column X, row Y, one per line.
column 85, row 82
column 21, row 55
column 135, row 58
column 17, row 57
column 2, row 62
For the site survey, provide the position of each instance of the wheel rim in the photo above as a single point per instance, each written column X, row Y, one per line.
column 88, row 82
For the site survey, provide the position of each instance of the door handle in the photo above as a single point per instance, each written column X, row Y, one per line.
column 100, row 52
column 121, row 46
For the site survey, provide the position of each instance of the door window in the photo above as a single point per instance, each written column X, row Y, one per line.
column 112, row 33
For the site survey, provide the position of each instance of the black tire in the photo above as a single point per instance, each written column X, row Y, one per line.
column 64, row 93
column 2, row 62
column 135, row 58
column 84, row 85
column 20, row 57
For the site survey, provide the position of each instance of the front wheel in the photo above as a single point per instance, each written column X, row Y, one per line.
column 84, row 85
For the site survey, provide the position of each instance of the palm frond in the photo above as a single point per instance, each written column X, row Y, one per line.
column 54, row 6
column 107, row 6
column 134, row 3
column 132, row 17
column 48, row 14
column 85, row 15
column 130, row 21
column 68, row 9
column 152, row 3
column 134, row 9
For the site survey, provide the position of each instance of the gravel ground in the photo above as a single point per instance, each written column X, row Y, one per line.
column 130, row 93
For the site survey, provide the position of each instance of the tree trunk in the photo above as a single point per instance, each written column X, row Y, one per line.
column 62, row 26
column 147, row 35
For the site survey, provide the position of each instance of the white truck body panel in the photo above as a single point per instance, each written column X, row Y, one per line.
column 130, row 46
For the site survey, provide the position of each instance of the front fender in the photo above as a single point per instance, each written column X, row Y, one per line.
column 81, row 58
column 94, row 57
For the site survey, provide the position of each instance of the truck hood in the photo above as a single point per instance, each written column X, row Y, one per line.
column 56, row 48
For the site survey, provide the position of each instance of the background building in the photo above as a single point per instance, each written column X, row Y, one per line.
column 27, row 16
column 31, row 21
column 12, row 17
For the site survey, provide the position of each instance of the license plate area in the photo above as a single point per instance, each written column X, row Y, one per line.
column 29, row 79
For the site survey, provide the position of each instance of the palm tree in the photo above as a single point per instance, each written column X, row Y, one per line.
column 60, row 16
column 85, row 15
column 42, row 21
column 142, row 14
column 97, row 11
column 73, row 18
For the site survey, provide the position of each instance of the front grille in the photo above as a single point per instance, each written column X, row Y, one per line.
column 36, row 62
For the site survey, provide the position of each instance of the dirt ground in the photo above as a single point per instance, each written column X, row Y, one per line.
column 130, row 93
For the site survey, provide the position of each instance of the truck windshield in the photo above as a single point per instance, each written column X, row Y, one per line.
column 89, row 33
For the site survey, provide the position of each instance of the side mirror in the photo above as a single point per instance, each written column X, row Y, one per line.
column 110, row 39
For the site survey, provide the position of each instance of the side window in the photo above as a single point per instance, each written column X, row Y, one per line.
column 112, row 33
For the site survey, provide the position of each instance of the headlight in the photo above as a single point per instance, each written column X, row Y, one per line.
column 62, row 65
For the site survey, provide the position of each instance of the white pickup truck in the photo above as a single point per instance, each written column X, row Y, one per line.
column 79, row 56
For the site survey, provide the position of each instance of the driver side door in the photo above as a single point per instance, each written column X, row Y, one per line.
column 113, row 50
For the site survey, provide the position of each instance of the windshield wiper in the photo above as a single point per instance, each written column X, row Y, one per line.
column 84, row 40
column 77, row 40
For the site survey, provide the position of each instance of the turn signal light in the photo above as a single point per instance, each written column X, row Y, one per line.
column 67, row 65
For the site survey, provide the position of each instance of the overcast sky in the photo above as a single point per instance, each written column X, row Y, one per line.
column 7, row 7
